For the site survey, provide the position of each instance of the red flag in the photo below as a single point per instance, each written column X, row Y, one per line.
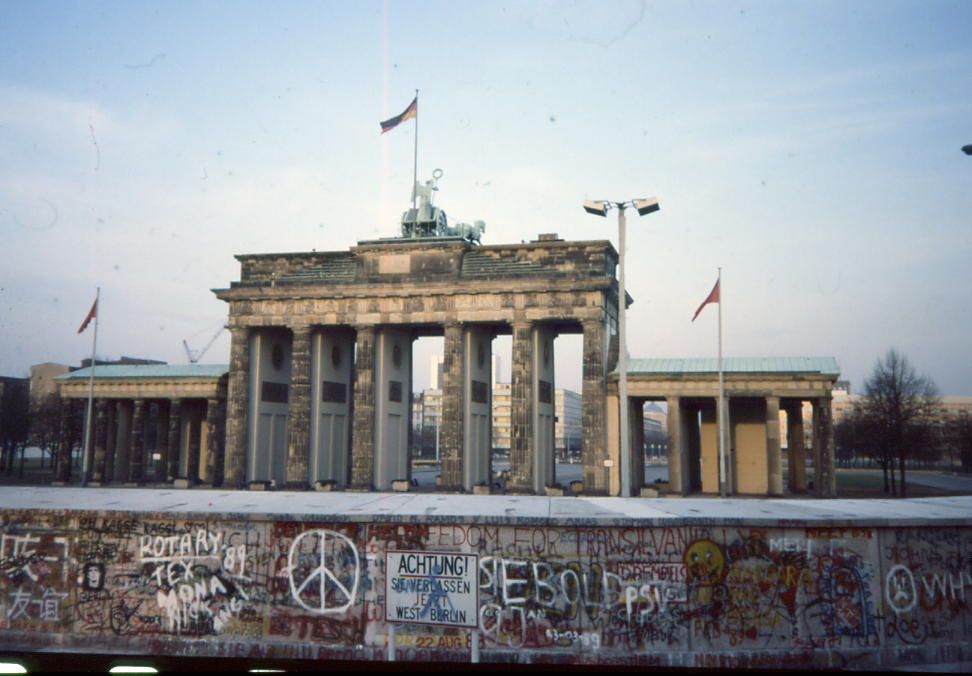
column 713, row 297
column 91, row 315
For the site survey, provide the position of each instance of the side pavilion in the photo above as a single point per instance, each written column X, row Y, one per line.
column 756, row 391
column 153, row 423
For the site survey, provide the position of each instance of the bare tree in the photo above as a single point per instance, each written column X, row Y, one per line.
column 14, row 421
column 900, row 413
column 45, row 423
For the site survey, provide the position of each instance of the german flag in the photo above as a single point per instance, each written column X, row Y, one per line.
column 408, row 114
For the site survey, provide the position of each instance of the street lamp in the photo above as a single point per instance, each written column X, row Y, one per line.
column 600, row 208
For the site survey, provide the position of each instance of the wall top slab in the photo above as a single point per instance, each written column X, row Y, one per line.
column 493, row 510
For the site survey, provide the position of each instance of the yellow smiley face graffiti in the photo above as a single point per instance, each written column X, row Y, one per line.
column 705, row 562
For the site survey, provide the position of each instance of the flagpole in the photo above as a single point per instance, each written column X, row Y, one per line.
column 722, row 403
column 87, row 421
column 415, row 155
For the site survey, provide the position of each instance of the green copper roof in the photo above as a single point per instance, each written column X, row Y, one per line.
column 150, row 371
column 820, row 365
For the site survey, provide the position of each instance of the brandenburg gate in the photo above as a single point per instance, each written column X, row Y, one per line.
column 320, row 359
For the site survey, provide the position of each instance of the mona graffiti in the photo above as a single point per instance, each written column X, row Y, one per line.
column 695, row 594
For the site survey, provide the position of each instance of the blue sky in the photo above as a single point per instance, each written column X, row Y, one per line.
column 810, row 149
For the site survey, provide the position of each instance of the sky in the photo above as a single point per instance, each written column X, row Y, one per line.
column 811, row 150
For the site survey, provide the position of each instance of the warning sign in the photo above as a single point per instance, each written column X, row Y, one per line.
column 432, row 588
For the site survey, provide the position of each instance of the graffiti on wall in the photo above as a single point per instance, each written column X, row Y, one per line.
column 613, row 594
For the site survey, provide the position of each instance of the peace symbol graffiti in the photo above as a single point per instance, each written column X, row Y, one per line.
column 324, row 571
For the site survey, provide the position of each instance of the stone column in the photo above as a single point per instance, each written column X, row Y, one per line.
column 214, row 442
column 136, row 456
column 678, row 475
column 521, row 413
column 174, row 448
column 774, row 467
column 453, row 413
column 363, row 425
column 796, row 454
column 824, row 477
column 724, row 422
column 123, row 439
column 100, row 440
column 193, row 430
column 238, row 409
column 593, row 409
column 298, row 412
column 636, row 417
column 692, row 434
column 111, row 441
column 163, row 439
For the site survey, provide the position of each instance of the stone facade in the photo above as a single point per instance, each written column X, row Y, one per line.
column 385, row 293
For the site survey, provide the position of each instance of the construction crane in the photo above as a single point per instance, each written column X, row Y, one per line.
column 196, row 355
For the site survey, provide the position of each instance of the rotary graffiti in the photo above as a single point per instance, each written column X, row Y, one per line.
column 200, row 579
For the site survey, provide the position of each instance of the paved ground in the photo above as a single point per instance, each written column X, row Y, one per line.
column 948, row 482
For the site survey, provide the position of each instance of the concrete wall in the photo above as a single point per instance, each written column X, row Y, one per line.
column 590, row 587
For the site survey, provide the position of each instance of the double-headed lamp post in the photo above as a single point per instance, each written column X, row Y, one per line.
column 600, row 208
